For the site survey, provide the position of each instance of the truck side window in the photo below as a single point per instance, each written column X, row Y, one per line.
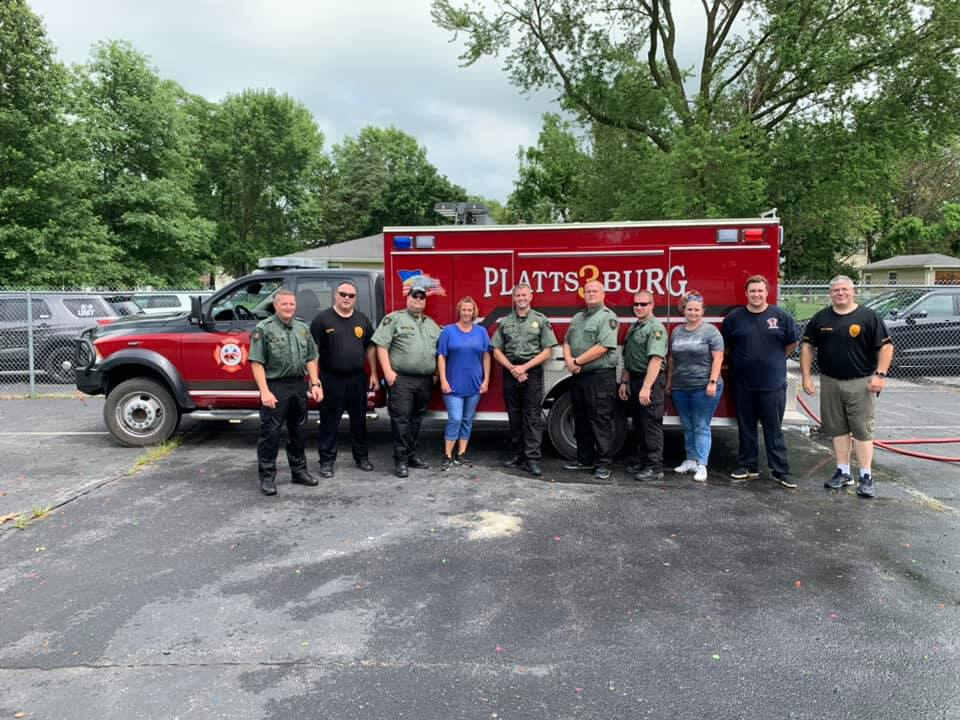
column 316, row 293
column 936, row 306
column 252, row 300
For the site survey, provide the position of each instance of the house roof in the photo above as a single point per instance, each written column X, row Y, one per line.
column 367, row 249
column 914, row 261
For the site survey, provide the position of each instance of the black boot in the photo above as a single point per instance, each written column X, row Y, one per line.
column 302, row 477
column 268, row 477
column 268, row 484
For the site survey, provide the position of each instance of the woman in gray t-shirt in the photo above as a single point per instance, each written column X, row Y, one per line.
column 693, row 378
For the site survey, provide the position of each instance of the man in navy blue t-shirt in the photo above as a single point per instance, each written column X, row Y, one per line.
column 758, row 339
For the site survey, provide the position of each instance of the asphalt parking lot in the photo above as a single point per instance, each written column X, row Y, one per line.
column 168, row 587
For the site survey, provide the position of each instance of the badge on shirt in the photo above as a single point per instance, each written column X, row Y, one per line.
column 658, row 334
column 854, row 330
column 772, row 323
column 330, row 330
column 358, row 331
column 534, row 324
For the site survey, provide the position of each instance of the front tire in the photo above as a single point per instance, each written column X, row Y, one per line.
column 141, row 412
column 560, row 427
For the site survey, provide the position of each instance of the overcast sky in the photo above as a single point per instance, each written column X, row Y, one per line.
column 365, row 62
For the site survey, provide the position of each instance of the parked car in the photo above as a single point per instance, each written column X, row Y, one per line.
column 924, row 325
column 166, row 303
column 57, row 319
column 123, row 304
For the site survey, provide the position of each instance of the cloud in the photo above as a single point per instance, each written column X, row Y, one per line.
column 353, row 64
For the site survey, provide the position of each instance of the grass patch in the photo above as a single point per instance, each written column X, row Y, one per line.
column 156, row 454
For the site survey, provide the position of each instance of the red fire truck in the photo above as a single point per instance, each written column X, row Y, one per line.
column 155, row 370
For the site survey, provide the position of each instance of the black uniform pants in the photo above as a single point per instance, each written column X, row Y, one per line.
column 343, row 392
column 647, row 421
column 524, row 402
column 407, row 402
column 291, row 409
column 594, row 397
column 767, row 408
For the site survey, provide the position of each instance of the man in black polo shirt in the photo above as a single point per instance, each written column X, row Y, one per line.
column 758, row 339
column 854, row 353
column 343, row 342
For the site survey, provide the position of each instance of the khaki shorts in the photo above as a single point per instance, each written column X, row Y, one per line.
column 847, row 407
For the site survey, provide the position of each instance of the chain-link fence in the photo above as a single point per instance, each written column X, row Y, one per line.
column 38, row 327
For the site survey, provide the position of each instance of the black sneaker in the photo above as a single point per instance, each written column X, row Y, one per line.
column 579, row 466
column 839, row 480
column 326, row 470
column 785, row 480
column 515, row 462
column 633, row 468
column 602, row 473
column 742, row 473
column 865, row 487
column 415, row 462
column 446, row 463
column 462, row 460
column 648, row 474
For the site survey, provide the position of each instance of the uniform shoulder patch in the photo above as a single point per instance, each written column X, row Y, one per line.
column 387, row 320
column 658, row 334
column 613, row 323
column 257, row 334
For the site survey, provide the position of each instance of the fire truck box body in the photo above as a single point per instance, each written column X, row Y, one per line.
column 714, row 257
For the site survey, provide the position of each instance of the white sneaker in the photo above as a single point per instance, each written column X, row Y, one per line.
column 686, row 466
column 701, row 473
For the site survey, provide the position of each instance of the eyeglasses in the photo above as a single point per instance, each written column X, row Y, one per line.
column 419, row 295
column 346, row 295
column 642, row 304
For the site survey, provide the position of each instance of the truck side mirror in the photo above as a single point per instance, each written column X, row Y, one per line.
column 916, row 315
column 196, row 311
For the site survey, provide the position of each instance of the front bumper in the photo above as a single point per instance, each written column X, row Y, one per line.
column 88, row 376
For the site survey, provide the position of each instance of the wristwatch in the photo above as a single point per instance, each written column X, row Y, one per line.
column 880, row 374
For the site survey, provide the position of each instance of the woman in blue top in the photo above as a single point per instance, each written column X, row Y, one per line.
column 463, row 360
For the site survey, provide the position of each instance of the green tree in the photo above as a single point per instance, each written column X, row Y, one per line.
column 49, row 234
column 382, row 177
column 144, row 145
column 263, row 168
column 803, row 105
column 550, row 175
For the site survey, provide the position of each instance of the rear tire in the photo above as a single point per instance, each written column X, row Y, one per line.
column 560, row 428
column 141, row 412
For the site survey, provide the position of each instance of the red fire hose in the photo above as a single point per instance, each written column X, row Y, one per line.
column 888, row 444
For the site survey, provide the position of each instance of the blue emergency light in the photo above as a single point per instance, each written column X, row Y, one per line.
column 402, row 242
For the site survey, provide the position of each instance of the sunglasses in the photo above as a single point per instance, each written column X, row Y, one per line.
column 642, row 304
column 419, row 295
column 346, row 295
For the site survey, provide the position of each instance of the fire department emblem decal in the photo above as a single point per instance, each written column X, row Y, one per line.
column 418, row 279
column 854, row 330
column 358, row 331
column 230, row 355
column 772, row 324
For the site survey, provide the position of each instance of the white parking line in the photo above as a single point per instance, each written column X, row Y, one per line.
column 64, row 432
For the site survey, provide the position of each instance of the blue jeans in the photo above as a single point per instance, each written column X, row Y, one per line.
column 460, row 412
column 695, row 409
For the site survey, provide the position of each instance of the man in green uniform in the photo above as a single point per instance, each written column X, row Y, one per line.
column 407, row 351
column 590, row 354
column 522, row 342
column 642, row 386
column 282, row 352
